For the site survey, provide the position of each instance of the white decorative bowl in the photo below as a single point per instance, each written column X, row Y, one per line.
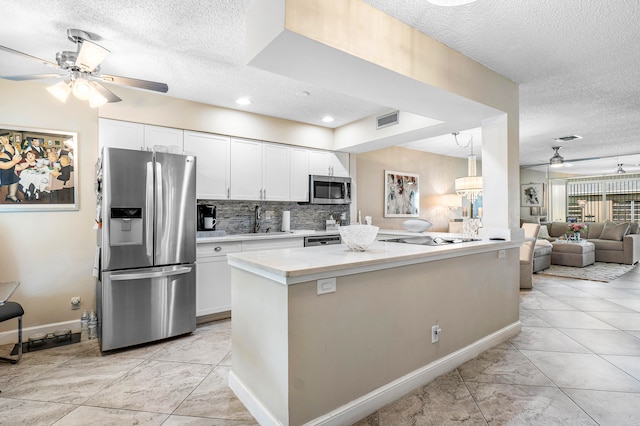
column 358, row 237
column 416, row 225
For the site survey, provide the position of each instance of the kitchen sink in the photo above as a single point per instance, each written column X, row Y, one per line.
column 430, row 241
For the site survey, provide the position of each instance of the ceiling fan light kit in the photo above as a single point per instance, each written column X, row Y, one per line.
column 557, row 160
column 61, row 91
column 83, row 77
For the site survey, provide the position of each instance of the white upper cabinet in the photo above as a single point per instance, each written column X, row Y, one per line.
column 299, row 175
column 156, row 135
column 136, row 136
column 276, row 172
column 212, row 164
column 259, row 171
column 328, row 163
column 120, row 134
column 339, row 163
column 246, row 169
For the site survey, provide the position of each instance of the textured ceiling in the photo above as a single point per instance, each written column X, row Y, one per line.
column 576, row 62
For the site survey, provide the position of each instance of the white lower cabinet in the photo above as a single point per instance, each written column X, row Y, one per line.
column 213, row 277
column 213, row 273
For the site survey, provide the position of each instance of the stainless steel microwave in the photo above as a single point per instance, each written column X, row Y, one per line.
column 329, row 189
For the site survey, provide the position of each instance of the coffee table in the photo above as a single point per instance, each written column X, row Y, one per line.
column 573, row 253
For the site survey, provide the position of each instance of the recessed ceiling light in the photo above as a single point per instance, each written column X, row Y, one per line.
column 244, row 101
column 327, row 119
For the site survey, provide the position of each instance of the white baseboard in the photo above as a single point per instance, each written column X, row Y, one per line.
column 375, row 400
column 7, row 337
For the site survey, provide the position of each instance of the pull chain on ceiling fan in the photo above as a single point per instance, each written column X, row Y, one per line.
column 83, row 77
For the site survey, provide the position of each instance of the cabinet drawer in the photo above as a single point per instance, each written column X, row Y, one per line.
column 273, row 244
column 217, row 249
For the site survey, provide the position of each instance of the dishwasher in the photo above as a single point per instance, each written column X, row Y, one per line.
column 321, row 240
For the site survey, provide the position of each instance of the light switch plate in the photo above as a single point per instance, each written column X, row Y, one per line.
column 326, row 285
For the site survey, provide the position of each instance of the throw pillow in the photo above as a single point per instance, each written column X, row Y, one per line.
column 543, row 233
column 633, row 228
column 543, row 243
column 614, row 231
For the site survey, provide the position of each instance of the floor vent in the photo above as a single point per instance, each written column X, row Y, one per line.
column 388, row 120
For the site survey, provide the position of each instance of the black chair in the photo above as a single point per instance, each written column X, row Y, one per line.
column 10, row 310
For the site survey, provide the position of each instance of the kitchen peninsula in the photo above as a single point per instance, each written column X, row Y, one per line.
column 324, row 335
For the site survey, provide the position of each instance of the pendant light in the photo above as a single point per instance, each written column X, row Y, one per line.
column 469, row 186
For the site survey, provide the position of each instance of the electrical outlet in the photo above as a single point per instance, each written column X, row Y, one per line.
column 501, row 254
column 75, row 302
column 435, row 333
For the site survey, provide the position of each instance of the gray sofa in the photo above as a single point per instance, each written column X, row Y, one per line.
column 615, row 242
column 541, row 257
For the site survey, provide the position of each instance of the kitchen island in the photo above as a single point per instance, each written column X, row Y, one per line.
column 324, row 335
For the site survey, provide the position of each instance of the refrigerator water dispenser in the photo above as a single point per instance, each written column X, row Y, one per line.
column 125, row 226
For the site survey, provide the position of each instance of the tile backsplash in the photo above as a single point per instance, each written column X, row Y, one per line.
column 237, row 217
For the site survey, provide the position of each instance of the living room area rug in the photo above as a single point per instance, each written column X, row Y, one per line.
column 599, row 271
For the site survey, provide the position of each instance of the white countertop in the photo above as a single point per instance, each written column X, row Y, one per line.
column 294, row 265
column 305, row 233
column 263, row 236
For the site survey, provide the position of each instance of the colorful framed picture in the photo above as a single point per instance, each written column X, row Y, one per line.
column 401, row 194
column 35, row 173
column 532, row 195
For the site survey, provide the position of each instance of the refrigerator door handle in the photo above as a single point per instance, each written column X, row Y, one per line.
column 159, row 206
column 164, row 272
column 148, row 214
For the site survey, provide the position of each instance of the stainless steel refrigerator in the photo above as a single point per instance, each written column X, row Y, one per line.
column 147, row 285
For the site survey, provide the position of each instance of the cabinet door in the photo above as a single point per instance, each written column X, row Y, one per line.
column 212, row 164
column 246, row 169
column 318, row 162
column 155, row 135
column 299, row 175
column 213, row 277
column 276, row 172
column 120, row 134
column 339, row 163
column 213, row 289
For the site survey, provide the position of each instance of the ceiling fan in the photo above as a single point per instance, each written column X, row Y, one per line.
column 82, row 72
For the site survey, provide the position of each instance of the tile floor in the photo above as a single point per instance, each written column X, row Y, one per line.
column 576, row 362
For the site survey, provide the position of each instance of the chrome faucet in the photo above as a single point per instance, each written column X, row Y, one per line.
column 257, row 215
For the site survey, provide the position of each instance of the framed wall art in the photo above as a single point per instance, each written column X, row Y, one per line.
column 38, row 169
column 401, row 194
column 532, row 195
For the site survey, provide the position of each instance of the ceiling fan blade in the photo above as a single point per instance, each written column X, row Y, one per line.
column 35, row 58
column 90, row 55
column 566, row 161
column 108, row 94
column 134, row 82
column 30, row 77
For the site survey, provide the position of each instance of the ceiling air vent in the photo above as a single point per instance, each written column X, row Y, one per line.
column 568, row 138
column 388, row 120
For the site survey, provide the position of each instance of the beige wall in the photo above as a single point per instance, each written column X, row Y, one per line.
column 50, row 253
column 436, row 172
column 374, row 329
